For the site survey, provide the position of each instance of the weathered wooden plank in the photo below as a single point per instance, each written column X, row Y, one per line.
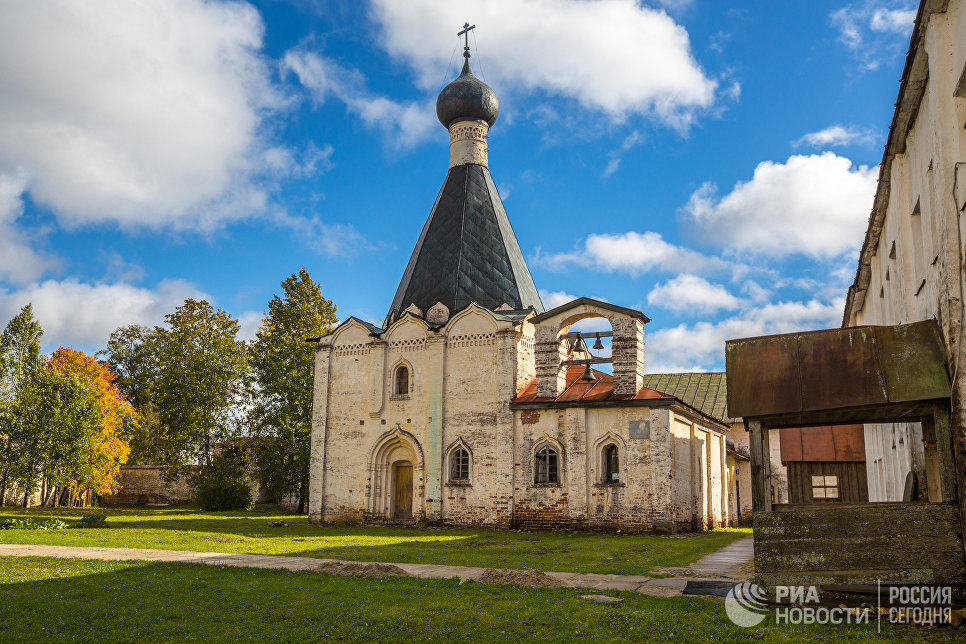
column 944, row 450
column 886, row 576
column 760, row 493
column 900, row 512
column 931, row 524
column 894, row 542
column 935, row 553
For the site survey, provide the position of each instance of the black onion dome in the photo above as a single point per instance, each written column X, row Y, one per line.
column 467, row 98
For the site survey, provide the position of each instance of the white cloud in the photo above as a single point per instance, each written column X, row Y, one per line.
column 404, row 123
column 836, row 135
column 249, row 321
column 75, row 313
column 616, row 156
column 144, row 113
column 674, row 5
column 562, row 47
column 691, row 294
column 874, row 29
column 631, row 252
column 330, row 240
column 896, row 20
column 553, row 299
column 19, row 262
column 286, row 162
column 815, row 205
column 700, row 346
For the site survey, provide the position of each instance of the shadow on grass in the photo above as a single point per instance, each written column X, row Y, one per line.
column 124, row 601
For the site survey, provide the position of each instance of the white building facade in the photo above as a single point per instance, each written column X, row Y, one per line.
column 911, row 264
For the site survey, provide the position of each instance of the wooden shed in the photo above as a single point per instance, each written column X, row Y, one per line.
column 825, row 465
column 843, row 377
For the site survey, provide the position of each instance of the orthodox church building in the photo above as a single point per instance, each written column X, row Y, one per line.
column 471, row 404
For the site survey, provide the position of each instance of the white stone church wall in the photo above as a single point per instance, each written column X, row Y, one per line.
column 916, row 269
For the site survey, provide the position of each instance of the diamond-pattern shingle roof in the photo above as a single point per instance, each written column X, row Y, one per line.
column 467, row 251
column 706, row 392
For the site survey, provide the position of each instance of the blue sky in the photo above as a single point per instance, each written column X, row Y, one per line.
column 712, row 164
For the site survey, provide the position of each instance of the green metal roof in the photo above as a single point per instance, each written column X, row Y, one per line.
column 706, row 392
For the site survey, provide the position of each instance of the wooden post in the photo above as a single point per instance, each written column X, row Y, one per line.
column 944, row 452
column 760, row 467
column 951, row 483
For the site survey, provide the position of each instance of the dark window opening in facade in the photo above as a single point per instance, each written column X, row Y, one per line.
column 459, row 466
column 611, row 464
column 547, row 465
column 402, row 380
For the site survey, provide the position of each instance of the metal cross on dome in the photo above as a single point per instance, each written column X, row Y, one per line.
column 466, row 33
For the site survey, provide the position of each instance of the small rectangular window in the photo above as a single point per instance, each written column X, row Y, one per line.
column 825, row 487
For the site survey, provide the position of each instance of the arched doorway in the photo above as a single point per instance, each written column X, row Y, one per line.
column 396, row 473
column 402, row 490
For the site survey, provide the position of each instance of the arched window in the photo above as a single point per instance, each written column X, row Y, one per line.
column 612, row 464
column 402, row 380
column 459, row 465
column 546, row 465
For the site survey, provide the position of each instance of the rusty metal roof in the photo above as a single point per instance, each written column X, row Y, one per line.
column 601, row 389
column 600, row 393
column 834, row 370
column 823, row 444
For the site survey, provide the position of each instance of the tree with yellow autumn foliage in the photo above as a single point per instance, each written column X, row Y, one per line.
column 108, row 447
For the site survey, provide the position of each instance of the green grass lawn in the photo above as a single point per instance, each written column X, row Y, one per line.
column 184, row 528
column 43, row 599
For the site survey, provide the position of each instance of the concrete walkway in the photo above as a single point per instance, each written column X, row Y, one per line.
column 727, row 561
column 665, row 587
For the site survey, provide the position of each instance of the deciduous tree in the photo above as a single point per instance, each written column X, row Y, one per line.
column 201, row 380
column 19, row 360
column 282, row 364
column 132, row 354
column 108, row 446
column 54, row 418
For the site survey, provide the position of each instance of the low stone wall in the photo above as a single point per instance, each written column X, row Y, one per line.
column 143, row 484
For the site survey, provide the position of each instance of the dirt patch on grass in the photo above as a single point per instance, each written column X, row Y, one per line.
column 526, row 578
column 371, row 570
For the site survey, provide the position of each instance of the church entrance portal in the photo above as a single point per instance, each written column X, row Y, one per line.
column 402, row 490
column 396, row 476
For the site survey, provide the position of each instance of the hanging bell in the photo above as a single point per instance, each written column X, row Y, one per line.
column 598, row 345
column 588, row 373
column 580, row 345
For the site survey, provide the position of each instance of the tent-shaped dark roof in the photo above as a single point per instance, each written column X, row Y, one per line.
column 467, row 251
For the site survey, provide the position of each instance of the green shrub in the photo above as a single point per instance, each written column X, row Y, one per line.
column 224, row 484
column 93, row 520
column 30, row 524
